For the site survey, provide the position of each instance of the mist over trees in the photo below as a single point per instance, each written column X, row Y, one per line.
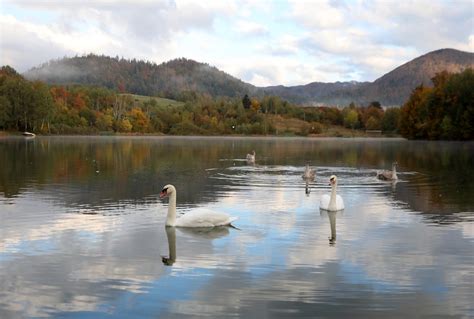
column 169, row 79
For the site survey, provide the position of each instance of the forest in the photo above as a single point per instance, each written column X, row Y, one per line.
column 442, row 112
column 167, row 79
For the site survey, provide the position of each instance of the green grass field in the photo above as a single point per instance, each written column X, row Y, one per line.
column 161, row 102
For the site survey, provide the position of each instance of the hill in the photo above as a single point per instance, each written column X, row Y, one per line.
column 316, row 93
column 393, row 88
column 176, row 78
column 170, row 79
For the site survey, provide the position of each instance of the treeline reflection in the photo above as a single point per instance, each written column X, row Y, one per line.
column 437, row 176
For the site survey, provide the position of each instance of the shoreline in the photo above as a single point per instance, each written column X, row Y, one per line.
column 367, row 137
column 358, row 135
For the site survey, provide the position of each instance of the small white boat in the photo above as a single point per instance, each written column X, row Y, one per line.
column 28, row 134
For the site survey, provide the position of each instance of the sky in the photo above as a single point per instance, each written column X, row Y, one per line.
column 262, row 42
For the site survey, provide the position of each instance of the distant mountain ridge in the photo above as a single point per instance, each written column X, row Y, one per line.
column 393, row 88
column 182, row 76
column 402, row 80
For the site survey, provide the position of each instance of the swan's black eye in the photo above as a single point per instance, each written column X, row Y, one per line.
column 164, row 190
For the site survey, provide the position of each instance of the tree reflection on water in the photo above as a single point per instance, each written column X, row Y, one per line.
column 435, row 176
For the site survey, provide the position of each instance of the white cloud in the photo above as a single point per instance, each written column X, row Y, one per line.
column 279, row 70
column 324, row 40
column 283, row 45
column 129, row 30
column 25, row 45
column 318, row 14
column 377, row 36
column 254, row 70
column 250, row 28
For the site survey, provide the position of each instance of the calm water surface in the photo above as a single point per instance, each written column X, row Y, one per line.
column 82, row 230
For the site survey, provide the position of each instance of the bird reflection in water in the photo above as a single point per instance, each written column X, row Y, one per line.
column 207, row 232
column 332, row 223
column 394, row 185
column 171, row 235
column 197, row 232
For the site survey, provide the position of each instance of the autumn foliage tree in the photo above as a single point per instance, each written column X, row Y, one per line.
column 351, row 118
column 414, row 113
column 445, row 111
column 139, row 121
column 442, row 112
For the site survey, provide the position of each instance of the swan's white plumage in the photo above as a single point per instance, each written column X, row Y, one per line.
column 332, row 202
column 200, row 217
column 325, row 199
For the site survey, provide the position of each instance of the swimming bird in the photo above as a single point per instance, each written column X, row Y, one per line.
column 195, row 218
column 309, row 173
column 332, row 202
column 389, row 175
column 251, row 157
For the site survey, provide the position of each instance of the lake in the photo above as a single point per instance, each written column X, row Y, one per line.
column 83, row 229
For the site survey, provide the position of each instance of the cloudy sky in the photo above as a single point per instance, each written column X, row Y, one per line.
column 263, row 42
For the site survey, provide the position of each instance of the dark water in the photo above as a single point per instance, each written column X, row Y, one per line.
column 82, row 229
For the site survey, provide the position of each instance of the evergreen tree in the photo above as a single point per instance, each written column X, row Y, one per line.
column 246, row 102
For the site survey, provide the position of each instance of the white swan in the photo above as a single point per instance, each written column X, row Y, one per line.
column 389, row 175
column 334, row 202
column 309, row 173
column 251, row 157
column 195, row 218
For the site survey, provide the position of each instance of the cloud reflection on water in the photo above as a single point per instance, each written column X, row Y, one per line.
column 388, row 259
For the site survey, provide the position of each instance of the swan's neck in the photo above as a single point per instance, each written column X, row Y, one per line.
column 332, row 199
column 171, row 217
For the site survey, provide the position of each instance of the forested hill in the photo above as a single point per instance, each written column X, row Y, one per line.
column 396, row 86
column 393, row 88
column 171, row 79
column 176, row 78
